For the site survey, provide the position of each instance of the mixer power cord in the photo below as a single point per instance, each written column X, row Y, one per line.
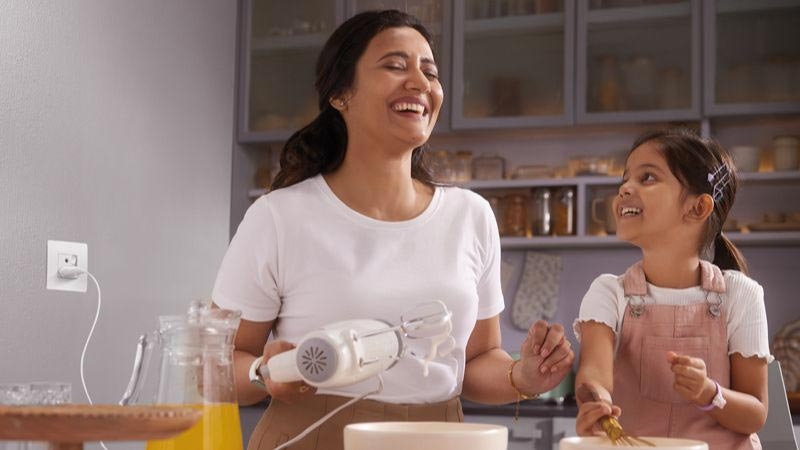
column 72, row 273
column 324, row 418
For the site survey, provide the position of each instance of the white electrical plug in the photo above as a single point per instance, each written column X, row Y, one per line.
column 70, row 272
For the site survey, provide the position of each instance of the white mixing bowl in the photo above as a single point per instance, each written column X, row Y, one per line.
column 424, row 436
column 602, row 443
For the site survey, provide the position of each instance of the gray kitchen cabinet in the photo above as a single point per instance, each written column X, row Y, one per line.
column 562, row 427
column 638, row 61
column 512, row 63
column 280, row 42
column 525, row 433
column 752, row 57
column 279, row 45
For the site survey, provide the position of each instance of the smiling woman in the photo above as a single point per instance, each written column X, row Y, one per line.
column 355, row 228
column 345, row 82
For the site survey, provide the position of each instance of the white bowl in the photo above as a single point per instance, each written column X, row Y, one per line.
column 424, row 436
column 603, row 443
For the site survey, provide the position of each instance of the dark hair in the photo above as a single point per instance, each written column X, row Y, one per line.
column 703, row 166
column 320, row 146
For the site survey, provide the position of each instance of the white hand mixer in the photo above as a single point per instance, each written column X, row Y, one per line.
column 344, row 353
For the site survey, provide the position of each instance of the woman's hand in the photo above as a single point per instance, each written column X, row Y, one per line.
column 691, row 379
column 546, row 358
column 286, row 392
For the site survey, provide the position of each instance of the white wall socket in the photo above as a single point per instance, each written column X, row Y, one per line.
column 63, row 253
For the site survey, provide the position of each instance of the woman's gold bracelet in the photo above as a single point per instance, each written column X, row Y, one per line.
column 520, row 395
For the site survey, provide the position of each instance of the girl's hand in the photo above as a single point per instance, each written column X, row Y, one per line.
column 594, row 403
column 691, row 378
column 286, row 392
column 589, row 415
column 545, row 358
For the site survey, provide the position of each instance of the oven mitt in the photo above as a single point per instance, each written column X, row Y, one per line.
column 537, row 294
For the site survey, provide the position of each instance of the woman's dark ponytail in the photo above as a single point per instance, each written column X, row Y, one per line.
column 319, row 147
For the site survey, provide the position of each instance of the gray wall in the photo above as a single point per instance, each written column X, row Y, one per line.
column 116, row 124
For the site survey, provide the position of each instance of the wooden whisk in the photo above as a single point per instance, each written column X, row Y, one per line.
column 610, row 424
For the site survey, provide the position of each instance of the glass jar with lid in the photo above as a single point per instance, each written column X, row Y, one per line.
column 786, row 152
column 542, row 216
column 488, row 167
column 515, row 215
column 564, row 211
column 462, row 166
column 441, row 165
column 496, row 203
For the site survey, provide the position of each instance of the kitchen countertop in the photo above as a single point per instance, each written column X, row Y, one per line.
column 527, row 408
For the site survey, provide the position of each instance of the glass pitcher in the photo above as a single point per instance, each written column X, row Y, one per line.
column 195, row 368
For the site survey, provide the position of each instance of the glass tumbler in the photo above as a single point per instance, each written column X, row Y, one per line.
column 14, row 393
column 49, row 393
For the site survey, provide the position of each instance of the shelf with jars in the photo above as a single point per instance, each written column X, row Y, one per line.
column 570, row 207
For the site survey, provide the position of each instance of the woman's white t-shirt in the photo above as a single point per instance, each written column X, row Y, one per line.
column 304, row 259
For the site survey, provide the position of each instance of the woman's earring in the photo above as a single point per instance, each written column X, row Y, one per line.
column 338, row 104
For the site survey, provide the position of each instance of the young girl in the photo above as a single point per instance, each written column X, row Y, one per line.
column 681, row 343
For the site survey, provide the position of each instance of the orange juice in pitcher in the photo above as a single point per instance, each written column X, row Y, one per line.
column 219, row 429
column 195, row 369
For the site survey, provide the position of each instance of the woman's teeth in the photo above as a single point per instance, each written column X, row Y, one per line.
column 630, row 212
column 413, row 107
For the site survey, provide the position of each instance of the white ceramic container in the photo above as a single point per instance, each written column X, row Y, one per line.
column 603, row 443
column 425, row 436
column 746, row 157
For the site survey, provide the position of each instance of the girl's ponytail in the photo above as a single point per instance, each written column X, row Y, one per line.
column 727, row 256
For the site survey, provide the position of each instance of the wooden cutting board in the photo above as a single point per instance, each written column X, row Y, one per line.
column 82, row 423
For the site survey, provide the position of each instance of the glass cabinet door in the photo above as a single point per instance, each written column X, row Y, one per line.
column 753, row 56
column 435, row 15
column 512, row 63
column 638, row 60
column 281, row 42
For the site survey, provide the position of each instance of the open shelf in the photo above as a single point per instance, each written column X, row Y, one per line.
column 584, row 183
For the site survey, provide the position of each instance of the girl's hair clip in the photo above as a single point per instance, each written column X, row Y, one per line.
column 720, row 184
